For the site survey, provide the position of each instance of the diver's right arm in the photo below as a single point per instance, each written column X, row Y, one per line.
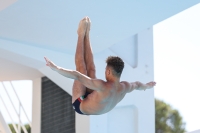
column 138, row 86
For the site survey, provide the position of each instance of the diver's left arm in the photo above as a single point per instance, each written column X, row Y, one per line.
column 141, row 86
column 94, row 84
column 138, row 86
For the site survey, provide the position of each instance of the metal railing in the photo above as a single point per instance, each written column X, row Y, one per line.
column 18, row 113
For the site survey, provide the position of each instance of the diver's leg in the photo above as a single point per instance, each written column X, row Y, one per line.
column 78, row 88
column 91, row 71
column 89, row 61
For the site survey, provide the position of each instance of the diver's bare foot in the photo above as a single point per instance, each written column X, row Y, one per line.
column 82, row 26
column 88, row 26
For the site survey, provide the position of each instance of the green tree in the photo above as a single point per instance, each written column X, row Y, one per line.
column 28, row 128
column 168, row 120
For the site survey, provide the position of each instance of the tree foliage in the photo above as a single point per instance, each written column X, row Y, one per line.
column 28, row 128
column 168, row 120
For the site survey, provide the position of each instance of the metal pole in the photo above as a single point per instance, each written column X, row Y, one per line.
column 19, row 125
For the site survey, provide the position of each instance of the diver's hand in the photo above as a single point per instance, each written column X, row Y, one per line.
column 50, row 64
column 150, row 85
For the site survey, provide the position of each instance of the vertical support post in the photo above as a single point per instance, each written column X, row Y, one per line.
column 36, row 106
column 19, row 125
column 82, row 123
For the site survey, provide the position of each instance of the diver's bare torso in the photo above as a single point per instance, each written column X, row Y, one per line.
column 100, row 102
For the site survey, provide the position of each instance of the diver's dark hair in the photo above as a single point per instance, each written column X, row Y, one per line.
column 116, row 63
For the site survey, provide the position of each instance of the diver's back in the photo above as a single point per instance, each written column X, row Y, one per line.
column 100, row 102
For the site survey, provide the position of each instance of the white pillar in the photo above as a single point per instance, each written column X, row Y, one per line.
column 82, row 123
column 36, row 106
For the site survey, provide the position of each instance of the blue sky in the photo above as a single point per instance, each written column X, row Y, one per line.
column 177, row 67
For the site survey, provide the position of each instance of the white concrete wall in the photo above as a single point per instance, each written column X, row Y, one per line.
column 82, row 123
column 36, row 106
column 52, row 24
column 3, row 125
column 27, row 57
column 136, row 110
column 123, row 119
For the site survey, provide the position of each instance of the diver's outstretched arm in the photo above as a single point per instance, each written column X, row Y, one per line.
column 94, row 84
column 138, row 85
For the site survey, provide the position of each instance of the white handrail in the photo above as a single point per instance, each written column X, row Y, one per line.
column 24, row 129
column 15, row 128
column 21, row 104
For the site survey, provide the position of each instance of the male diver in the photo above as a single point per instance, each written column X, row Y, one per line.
column 92, row 96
